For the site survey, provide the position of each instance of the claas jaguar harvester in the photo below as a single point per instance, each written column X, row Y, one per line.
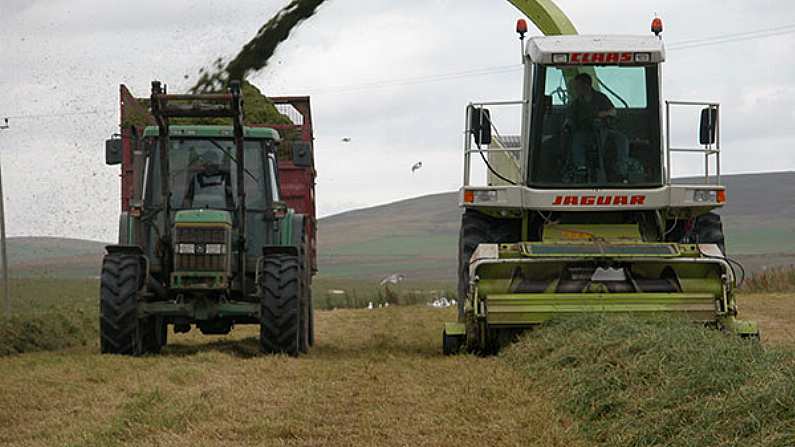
column 578, row 213
column 207, row 238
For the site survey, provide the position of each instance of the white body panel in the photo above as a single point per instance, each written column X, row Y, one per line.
column 541, row 49
column 522, row 197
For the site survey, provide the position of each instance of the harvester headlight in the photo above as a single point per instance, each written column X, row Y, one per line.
column 186, row 249
column 215, row 249
column 705, row 196
column 643, row 57
column 560, row 58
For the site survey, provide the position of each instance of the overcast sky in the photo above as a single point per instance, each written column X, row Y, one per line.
column 394, row 76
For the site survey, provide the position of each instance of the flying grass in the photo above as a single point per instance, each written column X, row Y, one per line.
column 662, row 382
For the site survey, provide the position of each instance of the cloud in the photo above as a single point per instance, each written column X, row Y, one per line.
column 70, row 55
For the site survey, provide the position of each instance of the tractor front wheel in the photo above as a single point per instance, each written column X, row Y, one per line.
column 280, row 307
column 119, row 327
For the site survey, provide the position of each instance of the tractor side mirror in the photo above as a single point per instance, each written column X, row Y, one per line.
column 113, row 151
column 302, row 154
column 709, row 125
column 480, row 125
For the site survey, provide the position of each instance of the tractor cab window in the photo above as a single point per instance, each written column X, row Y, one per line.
column 203, row 174
column 595, row 127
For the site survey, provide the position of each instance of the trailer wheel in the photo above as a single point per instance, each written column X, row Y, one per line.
column 119, row 327
column 154, row 334
column 311, row 318
column 476, row 229
column 708, row 229
column 306, row 298
column 280, row 285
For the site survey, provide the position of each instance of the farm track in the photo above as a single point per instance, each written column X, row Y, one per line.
column 375, row 378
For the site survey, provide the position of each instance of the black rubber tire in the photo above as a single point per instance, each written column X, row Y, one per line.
column 476, row 229
column 311, row 318
column 708, row 229
column 119, row 327
column 451, row 344
column 306, row 280
column 154, row 335
column 280, row 288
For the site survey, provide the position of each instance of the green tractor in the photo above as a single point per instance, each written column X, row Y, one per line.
column 577, row 212
column 206, row 240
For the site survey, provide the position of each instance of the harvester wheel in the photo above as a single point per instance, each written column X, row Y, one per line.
column 451, row 344
column 280, row 321
column 119, row 327
column 476, row 229
column 708, row 229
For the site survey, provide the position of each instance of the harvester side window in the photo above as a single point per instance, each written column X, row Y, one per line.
column 609, row 136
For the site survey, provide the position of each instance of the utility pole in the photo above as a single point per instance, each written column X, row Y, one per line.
column 3, row 251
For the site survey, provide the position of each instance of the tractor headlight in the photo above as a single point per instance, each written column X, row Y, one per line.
column 705, row 196
column 560, row 58
column 186, row 249
column 215, row 249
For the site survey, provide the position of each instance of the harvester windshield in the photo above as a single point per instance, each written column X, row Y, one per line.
column 595, row 127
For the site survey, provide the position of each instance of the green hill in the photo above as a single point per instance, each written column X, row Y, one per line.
column 418, row 237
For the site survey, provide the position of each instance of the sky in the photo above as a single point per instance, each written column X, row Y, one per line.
column 394, row 77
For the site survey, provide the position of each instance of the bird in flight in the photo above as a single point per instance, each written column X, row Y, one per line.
column 416, row 166
column 346, row 140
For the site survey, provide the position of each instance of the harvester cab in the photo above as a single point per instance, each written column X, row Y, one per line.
column 578, row 212
column 207, row 240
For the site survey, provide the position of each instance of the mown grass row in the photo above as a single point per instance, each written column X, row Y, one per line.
column 662, row 382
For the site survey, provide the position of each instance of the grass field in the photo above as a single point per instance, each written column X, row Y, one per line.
column 375, row 377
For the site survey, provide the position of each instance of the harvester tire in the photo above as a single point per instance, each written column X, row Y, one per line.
column 709, row 230
column 451, row 344
column 280, row 320
column 476, row 229
column 119, row 326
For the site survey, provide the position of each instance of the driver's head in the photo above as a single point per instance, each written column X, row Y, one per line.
column 583, row 84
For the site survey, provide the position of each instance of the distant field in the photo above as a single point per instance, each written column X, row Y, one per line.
column 418, row 237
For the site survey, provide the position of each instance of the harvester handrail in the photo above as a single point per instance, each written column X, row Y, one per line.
column 468, row 149
column 707, row 150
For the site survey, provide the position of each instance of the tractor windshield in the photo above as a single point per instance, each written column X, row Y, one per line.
column 595, row 127
column 203, row 174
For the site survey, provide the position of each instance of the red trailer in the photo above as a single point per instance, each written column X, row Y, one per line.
column 297, row 182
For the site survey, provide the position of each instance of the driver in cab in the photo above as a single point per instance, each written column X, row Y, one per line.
column 587, row 119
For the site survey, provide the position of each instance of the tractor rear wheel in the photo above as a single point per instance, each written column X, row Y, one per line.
column 280, row 320
column 708, row 229
column 476, row 229
column 119, row 327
